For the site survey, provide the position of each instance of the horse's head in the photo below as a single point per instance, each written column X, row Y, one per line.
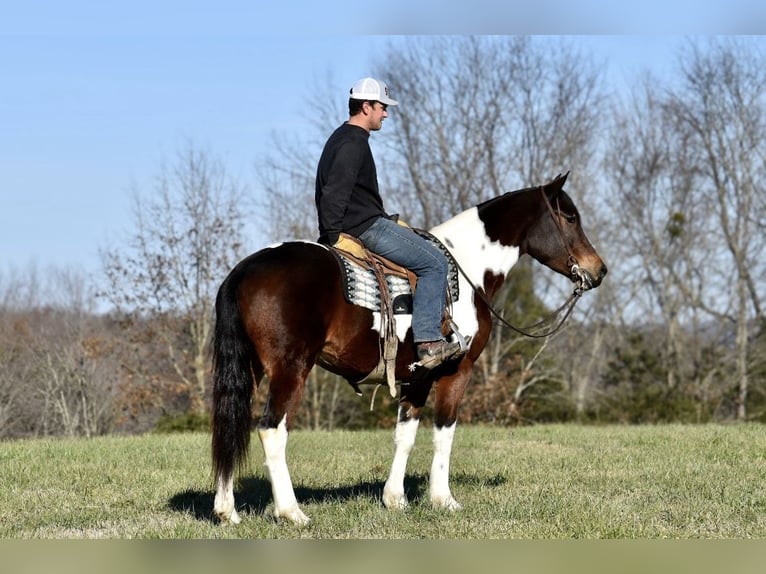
column 556, row 238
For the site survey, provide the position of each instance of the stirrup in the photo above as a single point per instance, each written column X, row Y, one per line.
column 437, row 353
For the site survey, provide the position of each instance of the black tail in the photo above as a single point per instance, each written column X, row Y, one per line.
column 234, row 365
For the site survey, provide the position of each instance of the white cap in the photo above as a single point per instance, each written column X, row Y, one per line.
column 372, row 89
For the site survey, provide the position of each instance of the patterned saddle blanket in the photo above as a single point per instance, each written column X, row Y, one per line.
column 362, row 287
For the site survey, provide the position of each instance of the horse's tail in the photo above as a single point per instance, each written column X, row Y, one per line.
column 235, row 363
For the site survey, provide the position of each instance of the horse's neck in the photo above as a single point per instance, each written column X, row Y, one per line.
column 466, row 238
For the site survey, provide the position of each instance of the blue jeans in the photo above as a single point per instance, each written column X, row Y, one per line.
column 408, row 249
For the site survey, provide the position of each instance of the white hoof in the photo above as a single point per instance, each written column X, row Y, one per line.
column 227, row 517
column 447, row 503
column 395, row 501
column 294, row 515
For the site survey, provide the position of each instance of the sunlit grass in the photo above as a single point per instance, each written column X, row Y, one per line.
column 556, row 481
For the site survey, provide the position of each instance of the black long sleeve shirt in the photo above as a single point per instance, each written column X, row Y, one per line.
column 347, row 196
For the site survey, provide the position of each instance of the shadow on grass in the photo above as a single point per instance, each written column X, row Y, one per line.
column 253, row 495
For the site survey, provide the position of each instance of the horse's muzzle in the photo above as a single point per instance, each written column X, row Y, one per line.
column 584, row 280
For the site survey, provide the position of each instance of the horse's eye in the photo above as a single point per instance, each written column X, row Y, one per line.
column 570, row 217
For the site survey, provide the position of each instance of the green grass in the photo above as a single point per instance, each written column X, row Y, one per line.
column 543, row 482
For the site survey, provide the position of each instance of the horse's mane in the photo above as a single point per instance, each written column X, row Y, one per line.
column 506, row 195
column 516, row 192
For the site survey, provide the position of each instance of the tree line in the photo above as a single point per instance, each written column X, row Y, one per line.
column 668, row 178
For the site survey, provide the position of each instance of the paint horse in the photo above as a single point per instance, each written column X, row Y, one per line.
column 282, row 310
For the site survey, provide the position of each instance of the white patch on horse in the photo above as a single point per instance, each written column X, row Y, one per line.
column 224, row 501
column 465, row 237
column 402, row 322
column 274, row 443
column 439, row 490
column 404, row 440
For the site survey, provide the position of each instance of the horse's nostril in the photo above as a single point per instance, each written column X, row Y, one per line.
column 603, row 272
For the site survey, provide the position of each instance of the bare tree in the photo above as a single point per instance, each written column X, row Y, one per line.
column 719, row 110
column 59, row 376
column 684, row 161
column 188, row 234
column 661, row 223
column 484, row 115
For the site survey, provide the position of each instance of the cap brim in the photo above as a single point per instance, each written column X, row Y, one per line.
column 382, row 100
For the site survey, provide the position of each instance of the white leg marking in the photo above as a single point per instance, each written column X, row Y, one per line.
column 224, row 501
column 274, row 443
column 441, row 497
column 404, row 440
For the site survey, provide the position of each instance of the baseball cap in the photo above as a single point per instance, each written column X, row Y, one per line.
column 372, row 89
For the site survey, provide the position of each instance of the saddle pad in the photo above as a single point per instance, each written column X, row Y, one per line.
column 360, row 287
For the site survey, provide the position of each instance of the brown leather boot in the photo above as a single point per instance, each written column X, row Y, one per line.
column 433, row 353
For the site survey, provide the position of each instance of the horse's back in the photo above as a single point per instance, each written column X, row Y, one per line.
column 285, row 255
column 288, row 273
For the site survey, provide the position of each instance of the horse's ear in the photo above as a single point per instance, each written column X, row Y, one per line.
column 557, row 184
column 560, row 180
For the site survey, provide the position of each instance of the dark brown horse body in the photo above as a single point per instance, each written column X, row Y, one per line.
column 282, row 310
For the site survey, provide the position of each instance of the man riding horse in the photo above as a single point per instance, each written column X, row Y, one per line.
column 276, row 321
column 348, row 202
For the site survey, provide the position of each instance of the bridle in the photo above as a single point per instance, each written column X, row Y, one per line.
column 583, row 279
column 583, row 284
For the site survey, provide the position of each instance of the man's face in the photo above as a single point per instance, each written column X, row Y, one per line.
column 377, row 112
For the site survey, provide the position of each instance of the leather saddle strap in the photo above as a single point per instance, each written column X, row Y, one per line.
column 390, row 342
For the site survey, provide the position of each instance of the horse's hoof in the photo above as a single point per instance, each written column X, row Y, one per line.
column 294, row 515
column 395, row 501
column 228, row 518
column 447, row 503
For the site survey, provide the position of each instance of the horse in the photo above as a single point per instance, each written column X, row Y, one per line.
column 281, row 310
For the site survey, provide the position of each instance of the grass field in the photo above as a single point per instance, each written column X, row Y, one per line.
column 542, row 482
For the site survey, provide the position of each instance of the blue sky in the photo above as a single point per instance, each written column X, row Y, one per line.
column 93, row 98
